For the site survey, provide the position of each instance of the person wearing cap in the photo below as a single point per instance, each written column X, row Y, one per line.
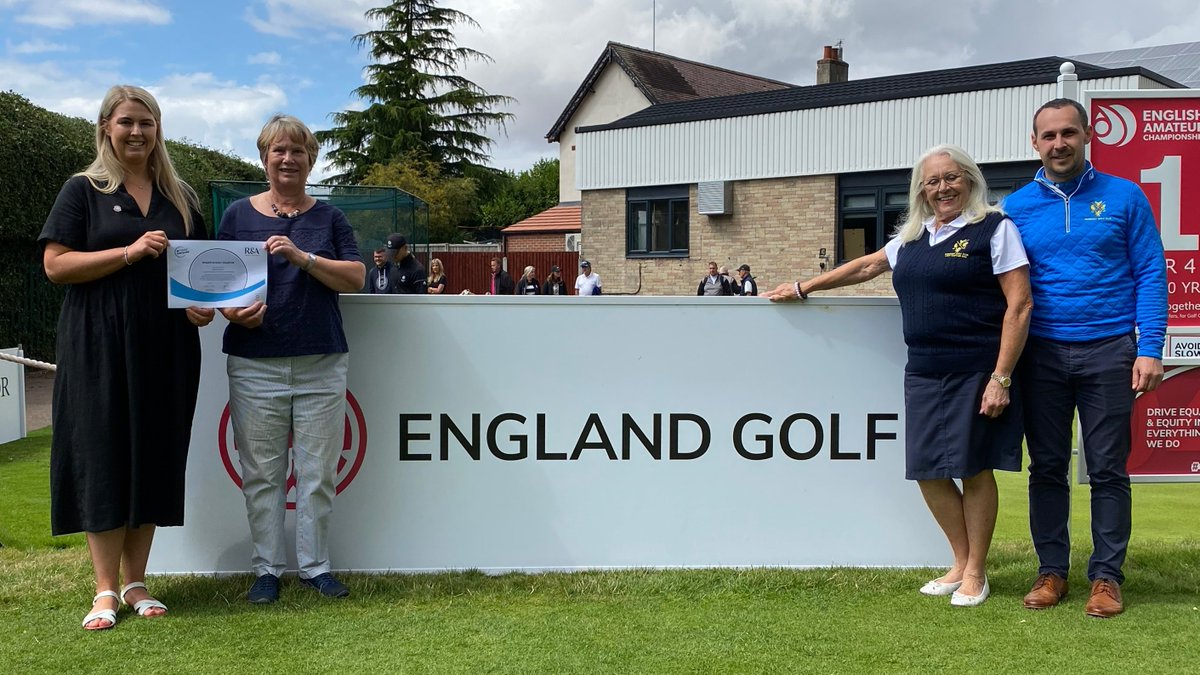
column 715, row 283
column 587, row 283
column 377, row 276
column 501, row 282
column 407, row 274
column 555, row 285
column 747, row 285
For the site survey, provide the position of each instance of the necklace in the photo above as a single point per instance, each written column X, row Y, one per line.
column 281, row 214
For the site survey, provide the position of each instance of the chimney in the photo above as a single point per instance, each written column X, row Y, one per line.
column 831, row 68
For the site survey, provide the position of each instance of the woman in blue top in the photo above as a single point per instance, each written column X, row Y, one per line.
column 288, row 359
column 962, row 278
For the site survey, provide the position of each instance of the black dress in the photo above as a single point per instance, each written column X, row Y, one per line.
column 128, row 371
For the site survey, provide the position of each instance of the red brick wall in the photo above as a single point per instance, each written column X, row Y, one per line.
column 552, row 241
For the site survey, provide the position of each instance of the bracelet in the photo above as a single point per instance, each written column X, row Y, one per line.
column 126, row 256
column 312, row 260
column 799, row 293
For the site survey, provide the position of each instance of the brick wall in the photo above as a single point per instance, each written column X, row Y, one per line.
column 520, row 243
column 778, row 227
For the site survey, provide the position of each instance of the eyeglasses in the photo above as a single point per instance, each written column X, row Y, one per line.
column 951, row 179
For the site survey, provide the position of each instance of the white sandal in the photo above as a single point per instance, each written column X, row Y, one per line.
column 109, row 615
column 141, row 606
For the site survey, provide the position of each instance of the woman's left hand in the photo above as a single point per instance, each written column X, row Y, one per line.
column 283, row 246
column 200, row 316
column 995, row 399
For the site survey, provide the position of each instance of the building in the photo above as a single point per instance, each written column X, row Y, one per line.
column 623, row 81
column 797, row 179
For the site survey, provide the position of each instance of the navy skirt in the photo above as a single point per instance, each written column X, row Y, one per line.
column 946, row 437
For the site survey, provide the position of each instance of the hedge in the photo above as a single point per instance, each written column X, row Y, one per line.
column 39, row 151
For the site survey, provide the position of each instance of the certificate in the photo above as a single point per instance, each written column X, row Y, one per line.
column 216, row 273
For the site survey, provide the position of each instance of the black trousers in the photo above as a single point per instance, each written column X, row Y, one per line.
column 1095, row 377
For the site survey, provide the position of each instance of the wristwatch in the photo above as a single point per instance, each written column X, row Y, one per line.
column 309, row 262
column 1004, row 380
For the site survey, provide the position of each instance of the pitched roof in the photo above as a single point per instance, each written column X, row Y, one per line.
column 929, row 83
column 561, row 218
column 663, row 78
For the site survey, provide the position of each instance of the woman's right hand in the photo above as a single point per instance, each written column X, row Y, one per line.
column 785, row 292
column 248, row 317
column 151, row 244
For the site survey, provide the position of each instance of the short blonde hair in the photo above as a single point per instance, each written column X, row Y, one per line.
column 291, row 128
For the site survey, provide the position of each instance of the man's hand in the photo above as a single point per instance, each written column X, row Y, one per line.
column 1147, row 374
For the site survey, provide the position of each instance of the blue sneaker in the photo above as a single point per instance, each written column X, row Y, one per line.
column 264, row 591
column 327, row 585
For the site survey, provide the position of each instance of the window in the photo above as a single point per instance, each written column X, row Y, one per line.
column 656, row 222
column 870, row 205
column 868, row 216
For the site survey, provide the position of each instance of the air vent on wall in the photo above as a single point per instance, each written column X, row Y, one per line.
column 573, row 241
column 715, row 198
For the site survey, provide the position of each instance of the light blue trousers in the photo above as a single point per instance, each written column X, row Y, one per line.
column 304, row 396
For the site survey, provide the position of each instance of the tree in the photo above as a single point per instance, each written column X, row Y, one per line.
column 417, row 99
column 451, row 199
column 526, row 194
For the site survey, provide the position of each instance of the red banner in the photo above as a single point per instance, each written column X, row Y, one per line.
column 1166, row 427
column 1153, row 139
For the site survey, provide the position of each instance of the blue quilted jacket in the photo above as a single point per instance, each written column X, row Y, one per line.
column 1096, row 261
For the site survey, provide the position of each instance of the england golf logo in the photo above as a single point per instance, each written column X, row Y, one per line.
column 1115, row 125
column 354, row 449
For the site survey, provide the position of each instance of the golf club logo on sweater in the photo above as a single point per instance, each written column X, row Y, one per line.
column 958, row 248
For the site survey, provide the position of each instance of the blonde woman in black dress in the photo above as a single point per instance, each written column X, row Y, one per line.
column 128, row 367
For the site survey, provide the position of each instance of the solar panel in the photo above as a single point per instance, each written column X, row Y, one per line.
column 1179, row 62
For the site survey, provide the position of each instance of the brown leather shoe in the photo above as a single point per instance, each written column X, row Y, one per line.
column 1047, row 591
column 1106, row 599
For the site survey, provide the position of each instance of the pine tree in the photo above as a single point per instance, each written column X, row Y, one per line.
column 418, row 102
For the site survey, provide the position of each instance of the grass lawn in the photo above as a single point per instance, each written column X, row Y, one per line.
column 762, row 620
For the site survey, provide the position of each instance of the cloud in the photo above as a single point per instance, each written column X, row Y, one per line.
column 35, row 46
column 265, row 59
column 292, row 18
column 64, row 14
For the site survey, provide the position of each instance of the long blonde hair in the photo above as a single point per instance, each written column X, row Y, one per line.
column 106, row 173
column 434, row 276
column 919, row 210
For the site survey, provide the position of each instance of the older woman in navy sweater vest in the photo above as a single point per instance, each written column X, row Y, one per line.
column 962, row 277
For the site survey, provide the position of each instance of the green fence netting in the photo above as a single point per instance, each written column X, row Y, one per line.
column 374, row 212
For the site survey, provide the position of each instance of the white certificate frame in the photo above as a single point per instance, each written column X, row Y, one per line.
column 216, row 273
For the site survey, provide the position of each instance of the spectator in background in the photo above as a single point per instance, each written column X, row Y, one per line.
column 715, row 283
column 377, row 277
column 587, row 283
column 501, row 284
column 528, row 285
column 436, row 283
column 724, row 272
column 555, row 285
column 747, row 285
column 407, row 274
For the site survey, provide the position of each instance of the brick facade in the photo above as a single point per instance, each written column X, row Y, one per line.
column 546, row 241
column 778, row 227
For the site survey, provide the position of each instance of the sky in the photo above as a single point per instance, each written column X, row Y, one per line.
column 220, row 68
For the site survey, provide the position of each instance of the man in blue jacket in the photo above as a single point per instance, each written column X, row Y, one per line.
column 1095, row 339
